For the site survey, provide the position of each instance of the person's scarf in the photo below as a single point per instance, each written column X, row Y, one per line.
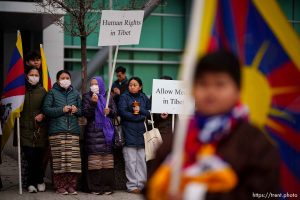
column 100, row 118
column 208, row 131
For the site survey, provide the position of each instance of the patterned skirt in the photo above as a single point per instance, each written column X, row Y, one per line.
column 96, row 162
column 65, row 153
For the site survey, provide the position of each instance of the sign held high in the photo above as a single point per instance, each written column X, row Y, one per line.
column 120, row 27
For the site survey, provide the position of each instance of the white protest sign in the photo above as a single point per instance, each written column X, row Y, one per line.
column 120, row 27
column 169, row 96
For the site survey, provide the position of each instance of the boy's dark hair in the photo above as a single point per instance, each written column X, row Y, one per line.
column 61, row 72
column 29, row 68
column 32, row 55
column 219, row 61
column 120, row 69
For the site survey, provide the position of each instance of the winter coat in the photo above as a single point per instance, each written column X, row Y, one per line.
column 54, row 103
column 29, row 134
column 122, row 86
column 94, row 137
column 251, row 155
column 133, row 125
column 164, row 125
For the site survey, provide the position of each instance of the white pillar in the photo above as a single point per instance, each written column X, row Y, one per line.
column 53, row 43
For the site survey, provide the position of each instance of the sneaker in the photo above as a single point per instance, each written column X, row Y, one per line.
column 95, row 193
column 72, row 191
column 62, row 191
column 32, row 189
column 108, row 193
column 41, row 187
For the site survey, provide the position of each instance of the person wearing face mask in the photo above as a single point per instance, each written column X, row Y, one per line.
column 33, row 131
column 99, row 138
column 62, row 106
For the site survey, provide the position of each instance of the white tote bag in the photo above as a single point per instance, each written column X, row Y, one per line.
column 152, row 140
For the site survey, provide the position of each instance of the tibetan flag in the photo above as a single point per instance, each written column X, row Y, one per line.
column 45, row 72
column 269, row 49
column 14, row 91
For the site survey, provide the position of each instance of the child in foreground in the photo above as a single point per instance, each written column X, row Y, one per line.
column 225, row 157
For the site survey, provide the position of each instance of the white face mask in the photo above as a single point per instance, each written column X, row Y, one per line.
column 65, row 83
column 95, row 89
column 33, row 80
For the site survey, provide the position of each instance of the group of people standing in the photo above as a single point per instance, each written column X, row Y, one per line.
column 52, row 118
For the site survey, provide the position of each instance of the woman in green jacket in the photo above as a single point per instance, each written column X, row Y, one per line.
column 33, row 130
column 62, row 106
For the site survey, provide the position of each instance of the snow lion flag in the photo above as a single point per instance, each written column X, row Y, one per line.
column 269, row 49
column 14, row 91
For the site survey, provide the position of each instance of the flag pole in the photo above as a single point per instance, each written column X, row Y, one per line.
column 112, row 76
column 189, row 60
column 173, row 123
column 19, row 155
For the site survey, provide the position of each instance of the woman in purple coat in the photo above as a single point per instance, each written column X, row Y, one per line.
column 99, row 138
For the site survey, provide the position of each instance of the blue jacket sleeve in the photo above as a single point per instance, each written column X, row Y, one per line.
column 146, row 111
column 126, row 113
column 48, row 108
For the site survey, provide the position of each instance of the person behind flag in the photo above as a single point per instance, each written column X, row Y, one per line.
column 98, row 137
column 33, row 59
column 62, row 106
column 163, row 122
column 33, row 129
column 225, row 157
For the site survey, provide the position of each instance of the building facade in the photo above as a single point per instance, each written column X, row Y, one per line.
column 159, row 52
column 161, row 44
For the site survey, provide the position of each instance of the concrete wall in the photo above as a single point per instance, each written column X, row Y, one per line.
column 53, row 40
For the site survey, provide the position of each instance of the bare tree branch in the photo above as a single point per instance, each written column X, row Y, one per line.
column 82, row 18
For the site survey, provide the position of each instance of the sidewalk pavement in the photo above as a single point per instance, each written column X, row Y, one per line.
column 10, row 190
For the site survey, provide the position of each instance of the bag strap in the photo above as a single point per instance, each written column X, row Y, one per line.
column 152, row 121
column 145, row 125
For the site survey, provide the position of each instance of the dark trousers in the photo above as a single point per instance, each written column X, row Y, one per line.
column 34, row 157
column 101, row 180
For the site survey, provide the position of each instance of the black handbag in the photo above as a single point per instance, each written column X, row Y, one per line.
column 119, row 140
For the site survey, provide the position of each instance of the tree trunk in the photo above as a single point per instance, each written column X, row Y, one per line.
column 83, row 64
